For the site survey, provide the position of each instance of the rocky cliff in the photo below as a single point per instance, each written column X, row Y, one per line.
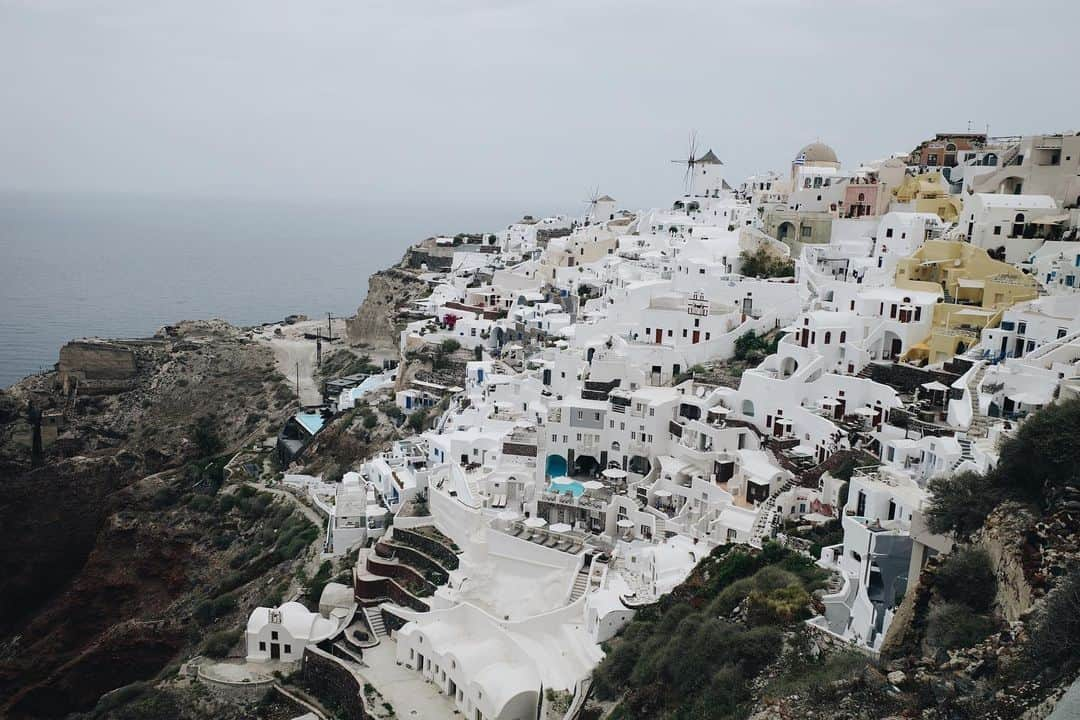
column 103, row 555
column 376, row 321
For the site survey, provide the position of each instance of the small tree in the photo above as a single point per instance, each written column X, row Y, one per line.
column 966, row 577
column 205, row 436
column 960, row 503
column 418, row 420
column 951, row 625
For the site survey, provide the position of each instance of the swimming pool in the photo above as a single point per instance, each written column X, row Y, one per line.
column 561, row 486
column 556, row 466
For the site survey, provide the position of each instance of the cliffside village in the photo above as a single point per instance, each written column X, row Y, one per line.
column 638, row 393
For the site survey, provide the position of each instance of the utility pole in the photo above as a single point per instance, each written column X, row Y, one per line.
column 330, row 327
column 318, row 347
column 298, row 381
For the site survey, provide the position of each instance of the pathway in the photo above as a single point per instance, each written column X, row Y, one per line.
column 406, row 690
column 292, row 350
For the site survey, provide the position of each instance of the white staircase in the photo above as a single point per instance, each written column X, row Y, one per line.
column 766, row 520
column 581, row 582
column 966, row 452
column 375, row 622
column 979, row 422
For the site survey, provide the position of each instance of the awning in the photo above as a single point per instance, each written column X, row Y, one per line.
column 935, row 386
column 970, row 283
column 1050, row 220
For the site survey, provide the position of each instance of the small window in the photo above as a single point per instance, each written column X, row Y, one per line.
column 262, row 646
column 288, row 649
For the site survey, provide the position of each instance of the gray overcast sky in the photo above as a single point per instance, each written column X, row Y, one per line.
column 518, row 104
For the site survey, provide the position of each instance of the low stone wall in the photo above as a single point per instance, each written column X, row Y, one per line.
column 246, row 691
column 369, row 591
column 398, row 571
column 330, row 681
column 440, row 552
column 417, row 559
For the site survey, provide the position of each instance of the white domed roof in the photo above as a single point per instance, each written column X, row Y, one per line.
column 818, row 152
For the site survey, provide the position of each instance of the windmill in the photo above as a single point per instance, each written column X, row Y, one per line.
column 690, row 162
column 590, row 204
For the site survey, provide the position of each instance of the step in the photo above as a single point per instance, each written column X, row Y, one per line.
column 375, row 621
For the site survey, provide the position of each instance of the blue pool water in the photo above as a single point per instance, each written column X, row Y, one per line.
column 562, row 486
column 556, row 466
column 312, row 422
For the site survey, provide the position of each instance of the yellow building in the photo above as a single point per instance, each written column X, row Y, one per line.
column 977, row 290
column 927, row 194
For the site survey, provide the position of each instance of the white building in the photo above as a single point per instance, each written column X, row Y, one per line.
column 281, row 634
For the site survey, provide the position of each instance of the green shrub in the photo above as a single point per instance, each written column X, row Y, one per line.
column 164, row 497
column 1054, row 643
column 1044, row 455
column 965, row 576
column 781, row 606
column 418, row 420
column 960, row 503
column 218, row 644
column 761, row 263
column 201, row 503
column 154, row 703
column 952, row 625
column 204, row 435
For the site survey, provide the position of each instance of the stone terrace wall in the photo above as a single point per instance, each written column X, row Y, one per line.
column 330, row 681
column 905, row 378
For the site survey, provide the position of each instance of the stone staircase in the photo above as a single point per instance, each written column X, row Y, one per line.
column 966, row 453
column 375, row 622
column 581, row 583
column 979, row 422
column 765, row 522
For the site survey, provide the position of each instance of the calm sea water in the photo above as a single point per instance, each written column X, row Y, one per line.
column 122, row 266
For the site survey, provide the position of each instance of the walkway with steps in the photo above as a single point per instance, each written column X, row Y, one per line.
column 979, row 422
column 765, row 522
column 375, row 622
column 581, row 583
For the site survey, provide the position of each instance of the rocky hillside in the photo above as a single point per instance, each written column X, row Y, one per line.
column 376, row 321
column 107, row 548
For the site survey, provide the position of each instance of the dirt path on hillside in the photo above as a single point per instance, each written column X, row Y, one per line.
column 293, row 353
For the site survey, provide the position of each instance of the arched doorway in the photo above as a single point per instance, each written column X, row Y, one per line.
column 786, row 232
column 788, row 366
column 586, row 465
column 891, row 346
column 556, row 466
column 639, row 465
